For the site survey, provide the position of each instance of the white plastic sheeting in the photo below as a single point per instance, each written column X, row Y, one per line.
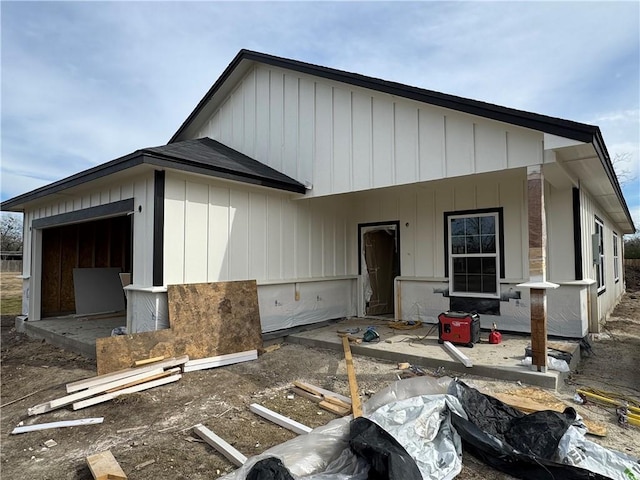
column 147, row 309
column 287, row 305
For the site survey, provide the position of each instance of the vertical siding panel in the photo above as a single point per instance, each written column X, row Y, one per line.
column 382, row 142
column 214, row 130
column 289, row 238
column 116, row 193
column 490, row 147
column 226, row 122
column 464, row 195
column 95, row 199
column 432, row 144
column 524, row 148
column 425, row 231
column 328, row 241
column 407, row 210
column 303, row 240
column 174, row 231
column 306, row 127
column 361, row 125
column 444, row 202
column 316, row 246
column 262, row 116
column 274, row 238
column 276, row 113
column 406, row 143
column 290, row 151
column 249, row 105
column 259, row 240
column 196, row 232
column 459, row 145
column 239, row 236
column 487, row 195
column 323, row 141
column 341, row 140
column 237, row 115
column 126, row 191
column 104, row 197
column 218, row 254
column 341, row 245
column 512, row 199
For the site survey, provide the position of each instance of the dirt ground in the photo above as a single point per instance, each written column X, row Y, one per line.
column 156, row 425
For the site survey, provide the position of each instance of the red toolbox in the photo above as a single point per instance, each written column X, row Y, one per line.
column 460, row 328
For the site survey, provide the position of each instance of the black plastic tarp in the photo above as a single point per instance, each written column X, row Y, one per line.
column 513, row 442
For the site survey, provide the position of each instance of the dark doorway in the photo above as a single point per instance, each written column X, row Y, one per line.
column 94, row 244
column 380, row 253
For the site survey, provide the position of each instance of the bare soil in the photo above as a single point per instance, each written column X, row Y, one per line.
column 220, row 399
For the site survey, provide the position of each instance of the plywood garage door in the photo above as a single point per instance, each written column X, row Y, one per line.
column 95, row 244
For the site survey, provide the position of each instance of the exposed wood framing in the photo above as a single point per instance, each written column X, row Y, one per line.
column 461, row 357
column 278, row 419
column 230, row 453
column 104, row 466
column 139, row 363
column 64, row 423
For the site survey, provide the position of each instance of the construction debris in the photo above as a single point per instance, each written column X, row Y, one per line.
column 104, row 466
column 64, row 423
column 278, row 419
column 356, row 406
column 230, row 453
column 458, row 355
column 220, row 360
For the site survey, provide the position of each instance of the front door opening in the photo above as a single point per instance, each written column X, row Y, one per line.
column 380, row 265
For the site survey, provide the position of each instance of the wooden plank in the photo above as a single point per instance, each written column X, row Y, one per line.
column 104, row 466
column 165, row 373
column 530, row 400
column 303, row 393
column 458, row 355
column 356, row 406
column 69, row 399
column 321, row 391
column 207, row 320
column 278, row 419
column 127, row 372
column 230, row 453
column 136, row 388
column 337, row 401
column 220, row 361
column 64, row 423
column 333, row 408
column 148, row 360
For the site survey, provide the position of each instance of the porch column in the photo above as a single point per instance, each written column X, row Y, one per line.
column 537, row 267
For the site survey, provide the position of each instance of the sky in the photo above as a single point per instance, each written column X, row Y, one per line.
column 84, row 83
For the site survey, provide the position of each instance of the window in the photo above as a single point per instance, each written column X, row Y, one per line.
column 474, row 258
column 616, row 258
column 598, row 254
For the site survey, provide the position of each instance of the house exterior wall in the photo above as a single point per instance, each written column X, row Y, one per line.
column 339, row 138
column 139, row 188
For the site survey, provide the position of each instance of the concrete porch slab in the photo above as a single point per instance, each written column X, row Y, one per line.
column 75, row 334
column 500, row 361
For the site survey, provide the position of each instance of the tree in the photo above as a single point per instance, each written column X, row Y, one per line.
column 632, row 246
column 10, row 232
column 623, row 172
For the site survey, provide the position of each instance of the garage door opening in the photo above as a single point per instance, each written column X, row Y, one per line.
column 379, row 265
column 95, row 250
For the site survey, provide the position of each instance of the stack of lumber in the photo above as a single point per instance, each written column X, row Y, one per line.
column 326, row 399
column 102, row 388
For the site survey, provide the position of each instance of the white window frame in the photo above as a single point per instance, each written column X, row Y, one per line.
column 599, row 255
column 496, row 255
column 616, row 258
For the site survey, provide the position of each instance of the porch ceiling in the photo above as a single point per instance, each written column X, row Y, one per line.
column 583, row 163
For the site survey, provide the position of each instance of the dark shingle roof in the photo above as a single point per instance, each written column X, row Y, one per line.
column 203, row 155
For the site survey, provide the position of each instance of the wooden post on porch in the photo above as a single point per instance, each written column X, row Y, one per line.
column 537, row 267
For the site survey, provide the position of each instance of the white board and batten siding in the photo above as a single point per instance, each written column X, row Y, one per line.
column 140, row 188
column 340, row 138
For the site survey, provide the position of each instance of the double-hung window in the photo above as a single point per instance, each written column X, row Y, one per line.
column 474, row 254
column 598, row 254
column 616, row 258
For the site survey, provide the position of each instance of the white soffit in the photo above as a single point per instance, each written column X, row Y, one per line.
column 553, row 141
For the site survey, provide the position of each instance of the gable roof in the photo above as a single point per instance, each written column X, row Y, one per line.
column 580, row 132
column 202, row 155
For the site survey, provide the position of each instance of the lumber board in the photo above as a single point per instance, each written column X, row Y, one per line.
column 333, row 408
column 457, row 354
column 356, row 406
column 139, row 363
column 278, row 419
column 529, row 400
column 165, row 373
column 220, row 361
column 206, row 320
column 320, row 391
column 303, row 393
column 136, row 388
column 230, row 453
column 127, row 372
column 104, row 466
column 69, row 399
column 61, row 424
column 337, row 401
